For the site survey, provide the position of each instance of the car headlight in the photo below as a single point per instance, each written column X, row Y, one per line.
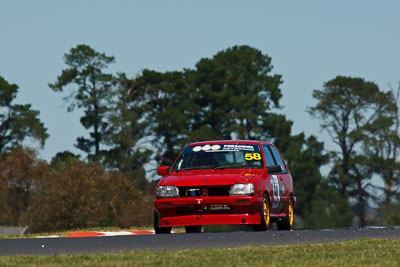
column 167, row 191
column 242, row 189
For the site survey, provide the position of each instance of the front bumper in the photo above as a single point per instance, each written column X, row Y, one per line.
column 185, row 211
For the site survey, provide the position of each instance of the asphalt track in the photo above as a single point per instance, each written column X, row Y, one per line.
column 114, row 244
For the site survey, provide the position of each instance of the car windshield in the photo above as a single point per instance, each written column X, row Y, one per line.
column 219, row 156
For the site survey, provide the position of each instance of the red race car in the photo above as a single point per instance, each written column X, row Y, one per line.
column 225, row 182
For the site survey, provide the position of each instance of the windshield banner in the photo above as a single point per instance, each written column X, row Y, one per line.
column 223, row 147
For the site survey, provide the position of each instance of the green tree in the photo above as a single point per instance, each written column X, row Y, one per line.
column 169, row 111
column 17, row 122
column 236, row 90
column 348, row 107
column 383, row 150
column 383, row 145
column 327, row 209
column 128, row 152
column 227, row 96
column 62, row 160
column 319, row 204
column 92, row 91
column 390, row 212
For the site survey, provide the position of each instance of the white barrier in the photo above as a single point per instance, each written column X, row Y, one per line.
column 12, row 230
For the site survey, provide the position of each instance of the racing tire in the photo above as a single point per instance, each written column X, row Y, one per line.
column 193, row 229
column 160, row 230
column 287, row 223
column 265, row 222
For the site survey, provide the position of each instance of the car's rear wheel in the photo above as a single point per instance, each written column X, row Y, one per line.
column 265, row 216
column 160, row 230
column 193, row 229
column 287, row 223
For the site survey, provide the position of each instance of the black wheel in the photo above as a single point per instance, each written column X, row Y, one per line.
column 160, row 230
column 265, row 222
column 193, row 229
column 287, row 223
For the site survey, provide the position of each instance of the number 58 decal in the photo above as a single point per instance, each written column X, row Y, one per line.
column 251, row 156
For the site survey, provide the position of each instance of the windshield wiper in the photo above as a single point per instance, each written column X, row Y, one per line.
column 202, row 167
column 236, row 165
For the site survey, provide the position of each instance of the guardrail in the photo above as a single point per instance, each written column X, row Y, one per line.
column 12, row 230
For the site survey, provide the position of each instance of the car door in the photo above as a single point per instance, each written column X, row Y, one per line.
column 285, row 180
column 276, row 180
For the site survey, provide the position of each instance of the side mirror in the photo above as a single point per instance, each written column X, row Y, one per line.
column 162, row 171
column 274, row 169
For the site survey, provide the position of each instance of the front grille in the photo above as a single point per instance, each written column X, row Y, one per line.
column 211, row 191
column 190, row 192
column 219, row 191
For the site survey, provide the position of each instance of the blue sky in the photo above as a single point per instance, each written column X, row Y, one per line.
column 310, row 42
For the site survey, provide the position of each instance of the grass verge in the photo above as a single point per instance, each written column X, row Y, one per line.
column 371, row 252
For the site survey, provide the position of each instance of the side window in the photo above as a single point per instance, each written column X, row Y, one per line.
column 269, row 160
column 278, row 158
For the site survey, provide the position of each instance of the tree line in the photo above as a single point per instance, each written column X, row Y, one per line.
column 132, row 121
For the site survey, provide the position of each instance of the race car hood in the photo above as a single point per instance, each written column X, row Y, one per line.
column 210, row 177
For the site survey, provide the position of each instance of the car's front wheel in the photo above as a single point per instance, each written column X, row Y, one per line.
column 265, row 222
column 160, row 230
